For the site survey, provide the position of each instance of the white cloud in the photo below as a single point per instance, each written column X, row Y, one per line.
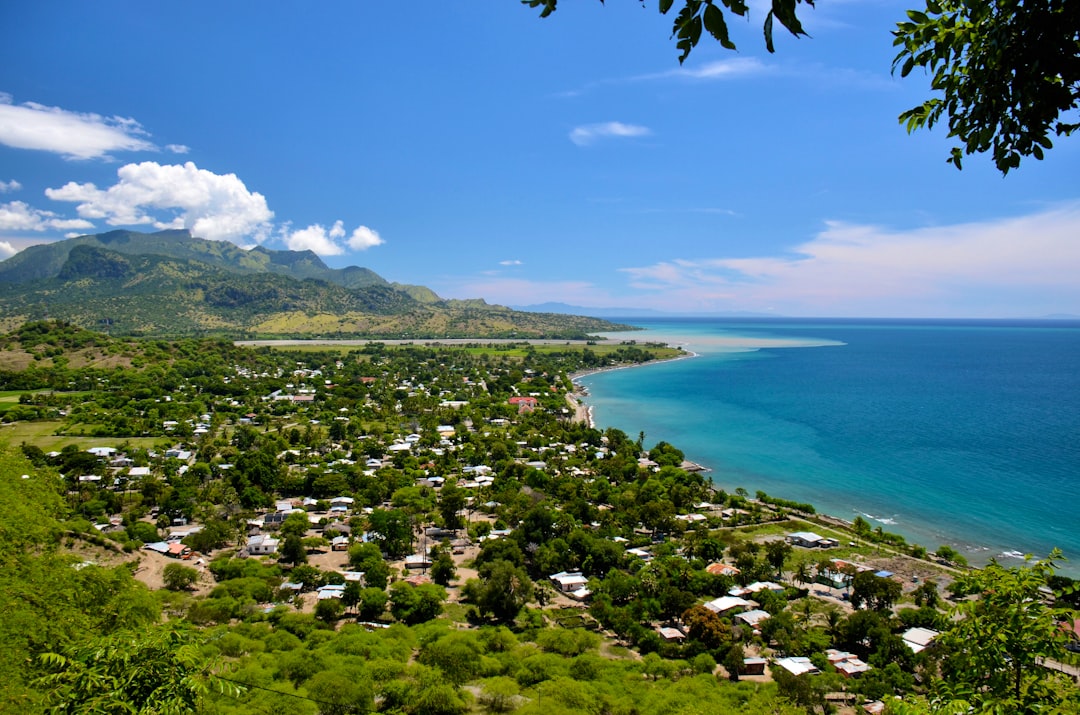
column 327, row 242
column 511, row 263
column 73, row 135
column 6, row 250
column 720, row 69
column 587, row 133
column 212, row 206
column 177, row 148
column 1010, row 267
column 20, row 216
column 364, row 238
column 9, row 186
column 314, row 238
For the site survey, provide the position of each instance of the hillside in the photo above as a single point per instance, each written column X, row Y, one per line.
column 172, row 284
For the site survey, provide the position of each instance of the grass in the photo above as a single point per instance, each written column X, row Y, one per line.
column 43, row 434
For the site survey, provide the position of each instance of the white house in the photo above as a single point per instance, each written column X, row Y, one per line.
column 726, row 603
column 569, row 581
column 262, row 545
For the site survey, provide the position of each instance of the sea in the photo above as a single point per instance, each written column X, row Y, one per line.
column 963, row 433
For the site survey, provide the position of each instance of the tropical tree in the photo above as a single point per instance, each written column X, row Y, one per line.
column 178, row 577
column 996, row 646
column 148, row 672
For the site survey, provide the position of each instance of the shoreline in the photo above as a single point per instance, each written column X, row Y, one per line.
column 583, row 411
column 977, row 553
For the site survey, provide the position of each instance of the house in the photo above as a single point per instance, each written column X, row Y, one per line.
column 671, row 635
column 339, row 543
column 810, row 540
column 845, row 663
column 798, row 665
column 178, row 550
column 719, row 569
column 756, row 587
column 726, row 603
column 917, row 639
column 159, row 546
column 262, row 545
column 568, row 581
column 753, row 666
column 753, row 618
column 357, row 576
column 417, row 561
column 331, row 590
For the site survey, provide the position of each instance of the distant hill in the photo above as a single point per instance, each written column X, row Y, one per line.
column 170, row 283
column 566, row 309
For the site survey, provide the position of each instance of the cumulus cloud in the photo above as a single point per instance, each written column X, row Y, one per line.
column 177, row 148
column 514, row 262
column 1025, row 265
column 9, row 186
column 364, row 238
column 328, row 242
column 314, row 238
column 212, row 206
column 6, row 250
column 73, row 135
column 20, row 216
column 588, row 133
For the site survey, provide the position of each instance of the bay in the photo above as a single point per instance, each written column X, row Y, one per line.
column 965, row 433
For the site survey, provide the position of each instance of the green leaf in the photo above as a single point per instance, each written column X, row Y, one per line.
column 717, row 27
column 665, row 5
column 768, row 32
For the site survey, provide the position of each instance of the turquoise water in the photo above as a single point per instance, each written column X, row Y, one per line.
column 964, row 433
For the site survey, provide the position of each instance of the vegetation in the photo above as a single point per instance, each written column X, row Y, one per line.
column 171, row 284
column 412, row 510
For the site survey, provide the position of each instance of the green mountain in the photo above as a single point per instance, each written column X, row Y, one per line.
column 170, row 283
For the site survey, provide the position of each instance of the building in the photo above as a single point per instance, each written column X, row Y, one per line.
column 262, row 545
column 567, row 582
column 810, row 540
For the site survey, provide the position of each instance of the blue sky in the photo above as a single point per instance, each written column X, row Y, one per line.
column 483, row 152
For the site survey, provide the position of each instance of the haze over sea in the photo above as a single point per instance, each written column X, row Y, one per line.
column 964, row 433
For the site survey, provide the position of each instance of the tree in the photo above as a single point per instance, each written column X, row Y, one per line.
column 503, row 591
column 877, row 592
column 1007, row 71
column 293, row 551
column 147, row 671
column 372, row 604
column 697, row 15
column 329, row 610
column 416, row 604
column 451, row 502
column 442, row 568
column 997, row 642
column 776, row 553
column 178, row 577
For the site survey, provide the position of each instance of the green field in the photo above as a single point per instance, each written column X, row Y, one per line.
column 43, row 434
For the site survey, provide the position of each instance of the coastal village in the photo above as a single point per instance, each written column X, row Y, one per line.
column 423, row 528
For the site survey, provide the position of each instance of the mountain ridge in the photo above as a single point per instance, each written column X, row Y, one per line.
column 170, row 283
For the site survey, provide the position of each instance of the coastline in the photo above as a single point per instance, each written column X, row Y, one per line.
column 583, row 412
column 926, row 529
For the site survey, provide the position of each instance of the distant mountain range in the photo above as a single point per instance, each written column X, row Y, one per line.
column 563, row 308
column 171, row 283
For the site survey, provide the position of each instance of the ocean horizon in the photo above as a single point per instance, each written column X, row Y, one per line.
column 963, row 433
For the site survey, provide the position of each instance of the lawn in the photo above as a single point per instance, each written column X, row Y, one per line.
column 43, row 434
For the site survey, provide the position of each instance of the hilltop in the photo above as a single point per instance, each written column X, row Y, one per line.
column 171, row 283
